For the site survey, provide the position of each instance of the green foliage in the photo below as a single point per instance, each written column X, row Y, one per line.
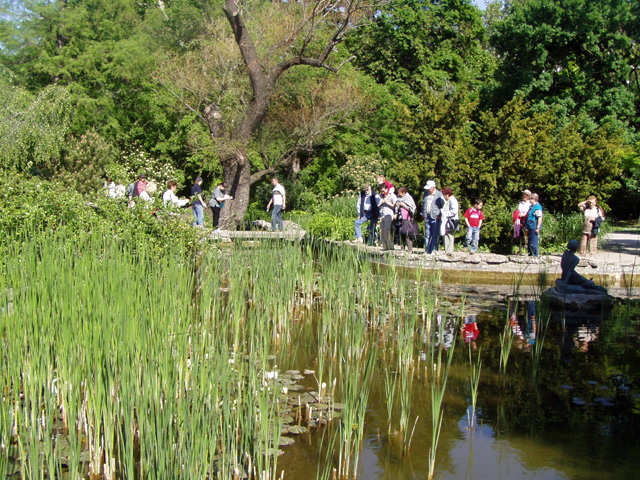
column 571, row 57
column 31, row 205
column 32, row 127
column 325, row 225
column 425, row 45
column 85, row 162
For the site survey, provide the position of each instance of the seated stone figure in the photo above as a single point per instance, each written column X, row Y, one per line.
column 571, row 281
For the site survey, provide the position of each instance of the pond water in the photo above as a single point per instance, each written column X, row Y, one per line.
column 568, row 406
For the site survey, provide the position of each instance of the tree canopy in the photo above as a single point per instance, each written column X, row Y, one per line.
column 542, row 94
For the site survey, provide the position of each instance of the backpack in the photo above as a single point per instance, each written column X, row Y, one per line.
column 596, row 225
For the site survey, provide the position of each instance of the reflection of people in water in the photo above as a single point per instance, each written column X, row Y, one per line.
column 523, row 329
column 583, row 337
column 470, row 331
column 448, row 332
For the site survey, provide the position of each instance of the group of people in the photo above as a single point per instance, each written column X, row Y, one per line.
column 396, row 213
column 142, row 190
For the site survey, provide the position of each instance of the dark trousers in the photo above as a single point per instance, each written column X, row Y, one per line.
column 534, row 239
column 386, row 224
column 276, row 218
column 373, row 222
column 432, row 234
column 215, row 212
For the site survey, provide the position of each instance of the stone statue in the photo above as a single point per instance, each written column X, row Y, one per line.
column 571, row 281
column 572, row 292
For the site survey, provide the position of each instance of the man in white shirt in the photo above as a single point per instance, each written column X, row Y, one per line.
column 170, row 198
column 279, row 202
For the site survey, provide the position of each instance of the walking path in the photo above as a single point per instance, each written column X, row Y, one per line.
column 616, row 266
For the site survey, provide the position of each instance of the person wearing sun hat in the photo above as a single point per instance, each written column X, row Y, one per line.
column 432, row 203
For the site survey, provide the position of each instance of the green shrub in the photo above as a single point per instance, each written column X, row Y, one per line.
column 325, row 225
column 342, row 206
column 30, row 205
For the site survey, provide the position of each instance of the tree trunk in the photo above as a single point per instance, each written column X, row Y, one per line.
column 237, row 176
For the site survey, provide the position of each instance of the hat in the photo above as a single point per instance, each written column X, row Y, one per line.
column 526, row 191
column 429, row 184
column 572, row 245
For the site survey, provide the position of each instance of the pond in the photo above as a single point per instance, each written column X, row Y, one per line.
column 285, row 361
column 574, row 415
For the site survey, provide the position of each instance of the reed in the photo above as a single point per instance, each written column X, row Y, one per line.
column 506, row 341
column 441, row 361
column 475, row 369
column 120, row 363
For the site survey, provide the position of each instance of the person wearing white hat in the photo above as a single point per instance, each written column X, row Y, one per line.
column 432, row 203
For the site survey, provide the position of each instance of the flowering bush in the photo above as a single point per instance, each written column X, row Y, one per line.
column 137, row 161
column 360, row 170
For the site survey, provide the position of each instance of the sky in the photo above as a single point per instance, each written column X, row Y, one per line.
column 480, row 3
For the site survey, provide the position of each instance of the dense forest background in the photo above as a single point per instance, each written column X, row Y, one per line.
column 540, row 94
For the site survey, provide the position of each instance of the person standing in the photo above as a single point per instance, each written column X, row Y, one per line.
column 217, row 202
column 406, row 208
column 197, row 203
column 520, row 219
column 365, row 205
column 534, row 224
column 386, row 207
column 169, row 197
column 593, row 217
column 432, row 203
column 474, row 217
column 388, row 186
column 450, row 219
column 279, row 202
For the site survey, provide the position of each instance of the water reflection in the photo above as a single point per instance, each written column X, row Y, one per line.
column 470, row 330
column 481, row 454
column 578, row 418
column 524, row 326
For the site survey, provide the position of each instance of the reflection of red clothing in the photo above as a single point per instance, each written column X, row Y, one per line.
column 470, row 332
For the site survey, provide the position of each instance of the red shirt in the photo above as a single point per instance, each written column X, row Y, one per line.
column 470, row 332
column 473, row 215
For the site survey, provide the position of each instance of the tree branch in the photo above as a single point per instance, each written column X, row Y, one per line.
column 285, row 159
column 246, row 45
column 321, row 60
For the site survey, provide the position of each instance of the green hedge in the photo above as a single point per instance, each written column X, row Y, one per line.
column 30, row 205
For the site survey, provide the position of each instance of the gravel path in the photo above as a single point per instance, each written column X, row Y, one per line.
column 621, row 246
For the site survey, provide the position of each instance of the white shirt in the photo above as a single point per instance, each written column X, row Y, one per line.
column 429, row 201
column 278, row 194
column 523, row 207
column 451, row 209
column 385, row 208
column 172, row 198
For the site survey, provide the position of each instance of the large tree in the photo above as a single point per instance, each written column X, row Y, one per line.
column 273, row 64
column 572, row 57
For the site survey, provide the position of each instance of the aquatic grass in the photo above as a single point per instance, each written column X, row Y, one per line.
column 540, row 324
column 441, row 363
column 506, row 337
column 475, row 369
